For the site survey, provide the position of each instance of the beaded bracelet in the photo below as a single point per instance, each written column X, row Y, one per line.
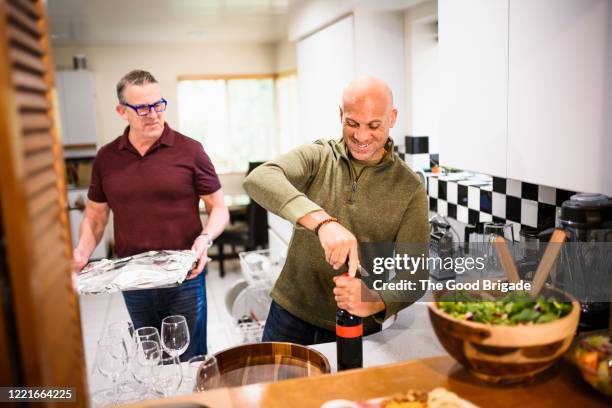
column 322, row 223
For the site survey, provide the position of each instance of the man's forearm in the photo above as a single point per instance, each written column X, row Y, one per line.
column 279, row 185
column 216, row 222
column 90, row 235
column 312, row 219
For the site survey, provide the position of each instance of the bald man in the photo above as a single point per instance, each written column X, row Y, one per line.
column 338, row 193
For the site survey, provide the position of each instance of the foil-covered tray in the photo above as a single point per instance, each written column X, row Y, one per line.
column 148, row 270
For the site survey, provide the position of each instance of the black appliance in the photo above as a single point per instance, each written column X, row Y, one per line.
column 586, row 262
column 440, row 245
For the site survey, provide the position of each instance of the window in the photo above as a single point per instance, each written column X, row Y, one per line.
column 234, row 119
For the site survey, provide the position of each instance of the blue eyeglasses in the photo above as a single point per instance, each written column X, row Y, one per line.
column 143, row 110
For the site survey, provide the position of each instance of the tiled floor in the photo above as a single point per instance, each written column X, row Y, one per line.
column 99, row 310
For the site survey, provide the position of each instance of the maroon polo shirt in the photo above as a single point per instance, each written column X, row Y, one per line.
column 155, row 197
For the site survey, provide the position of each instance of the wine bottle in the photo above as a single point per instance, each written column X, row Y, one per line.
column 349, row 340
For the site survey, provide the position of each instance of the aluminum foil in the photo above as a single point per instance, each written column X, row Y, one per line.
column 148, row 270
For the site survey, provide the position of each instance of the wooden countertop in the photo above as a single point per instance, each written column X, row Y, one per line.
column 561, row 386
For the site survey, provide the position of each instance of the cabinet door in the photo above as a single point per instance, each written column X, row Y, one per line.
column 560, row 93
column 473, row 61
column 77, row 106
column 59, row 88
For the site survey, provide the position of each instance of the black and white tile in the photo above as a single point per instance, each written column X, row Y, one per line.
column 471, row 201
column 477, row 198
column 415, row 152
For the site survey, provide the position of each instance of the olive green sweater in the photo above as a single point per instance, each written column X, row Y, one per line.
column 387, row 203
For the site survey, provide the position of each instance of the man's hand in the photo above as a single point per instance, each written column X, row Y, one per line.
column 79, row 260
column 348, row 296
column 200, row 246
column 339, row 244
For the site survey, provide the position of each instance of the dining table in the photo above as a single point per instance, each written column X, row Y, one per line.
column 237, row 205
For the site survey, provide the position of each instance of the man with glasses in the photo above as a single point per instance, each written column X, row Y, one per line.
column 153, row 179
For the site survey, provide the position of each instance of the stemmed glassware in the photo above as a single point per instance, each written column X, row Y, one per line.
column 124, row 330
column 112, row 360
column 492, row 230
column 147, row 333
column 168, row 376
column 123, row 350
column 174, row 335
column 148, row 356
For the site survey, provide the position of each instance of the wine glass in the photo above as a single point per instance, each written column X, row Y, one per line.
column 174, row 335
column 168, row 376
column 492, row 230
column 112, row 360
column 124, row 330
column 147, row 333
column 207, row 375
column 148, row 355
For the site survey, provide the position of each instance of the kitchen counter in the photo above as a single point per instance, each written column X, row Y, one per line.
column 407, row 345
column 560, row 386
column 410, row 337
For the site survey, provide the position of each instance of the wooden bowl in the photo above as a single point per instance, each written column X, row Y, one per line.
column 268, row 362
column 506, row 353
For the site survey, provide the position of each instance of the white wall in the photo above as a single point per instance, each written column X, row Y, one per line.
column 166, row 63
column 422, row 73
column 379, row 52
column 363, row 43
column 325, row 64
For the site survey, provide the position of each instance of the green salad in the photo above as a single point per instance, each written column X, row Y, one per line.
column 513, row 309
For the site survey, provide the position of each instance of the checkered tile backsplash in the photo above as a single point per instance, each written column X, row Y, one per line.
column 473, row 198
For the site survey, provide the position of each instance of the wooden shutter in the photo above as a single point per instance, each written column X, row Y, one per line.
column 33, row 194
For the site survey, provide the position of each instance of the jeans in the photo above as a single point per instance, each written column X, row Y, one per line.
column 283, row 326
column 148, row 307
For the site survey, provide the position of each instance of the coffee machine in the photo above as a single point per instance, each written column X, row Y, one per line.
column 585, row 267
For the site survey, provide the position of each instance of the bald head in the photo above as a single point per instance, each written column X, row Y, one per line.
column 367, row 88
column 367, row 114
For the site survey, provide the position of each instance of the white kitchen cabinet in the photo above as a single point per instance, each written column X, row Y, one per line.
column 276, row 243
column 279, row 233
column 473, row 63
column 77, row 102
column 560, row 93
column 526, row 91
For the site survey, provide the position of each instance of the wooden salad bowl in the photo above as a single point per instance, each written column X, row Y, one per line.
column 499, row 353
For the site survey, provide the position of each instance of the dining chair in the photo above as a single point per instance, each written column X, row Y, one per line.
column 250, row 235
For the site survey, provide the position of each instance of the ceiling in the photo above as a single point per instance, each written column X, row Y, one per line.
column 88, row 22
